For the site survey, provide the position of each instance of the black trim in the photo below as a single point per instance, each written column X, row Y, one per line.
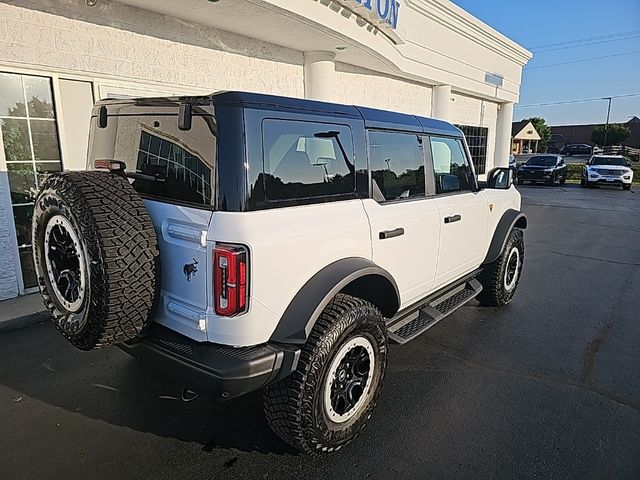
column 218, row 371
column 504, row 227
column 305, row 308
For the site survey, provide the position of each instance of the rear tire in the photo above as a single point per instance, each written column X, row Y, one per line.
column 308, row 409
column 500, row 278
column 96, row 257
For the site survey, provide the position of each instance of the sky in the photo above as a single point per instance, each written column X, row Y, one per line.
column 540, row 25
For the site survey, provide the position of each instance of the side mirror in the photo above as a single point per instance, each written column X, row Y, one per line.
column 500, row 178
column 449, row 183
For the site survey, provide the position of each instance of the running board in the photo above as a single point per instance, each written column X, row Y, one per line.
column 407, row 325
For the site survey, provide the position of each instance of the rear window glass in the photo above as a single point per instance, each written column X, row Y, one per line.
column 161, row 160
column 307, row 159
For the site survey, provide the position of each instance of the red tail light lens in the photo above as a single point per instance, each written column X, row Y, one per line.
column 230, row 279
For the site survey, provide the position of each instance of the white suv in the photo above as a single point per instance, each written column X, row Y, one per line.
column 607, row 170
column 240, row 241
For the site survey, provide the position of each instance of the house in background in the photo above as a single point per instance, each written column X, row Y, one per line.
column 524, row 137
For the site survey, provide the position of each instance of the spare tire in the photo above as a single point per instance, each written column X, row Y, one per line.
column 96, row 257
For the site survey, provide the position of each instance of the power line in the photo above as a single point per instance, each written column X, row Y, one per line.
column 566, row 102
column 583, row 60
column 598, row 42
column 587, row 39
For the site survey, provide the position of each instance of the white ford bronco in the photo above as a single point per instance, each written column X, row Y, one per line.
column 240, row 242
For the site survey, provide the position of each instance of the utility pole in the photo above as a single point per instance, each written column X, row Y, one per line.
column 606, row 128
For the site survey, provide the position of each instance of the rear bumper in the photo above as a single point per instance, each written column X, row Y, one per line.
column 218, row 371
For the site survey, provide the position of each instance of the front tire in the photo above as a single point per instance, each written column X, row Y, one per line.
column 326, row 402
column 626, row 187
column 500, row 278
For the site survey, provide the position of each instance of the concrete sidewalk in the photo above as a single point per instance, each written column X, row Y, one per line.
column 21, row 312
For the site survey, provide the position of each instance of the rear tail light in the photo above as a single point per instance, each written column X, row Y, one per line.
column 230, row 279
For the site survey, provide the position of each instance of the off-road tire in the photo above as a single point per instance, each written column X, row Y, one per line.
column 492, row 278
column 120, row 251
column 294, row 406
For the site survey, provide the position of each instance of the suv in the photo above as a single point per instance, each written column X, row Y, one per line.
column 607, row 170
column 240, row 241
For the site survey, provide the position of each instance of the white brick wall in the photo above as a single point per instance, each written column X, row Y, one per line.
column 359, row 86
column 114, row 40
column 8, row 265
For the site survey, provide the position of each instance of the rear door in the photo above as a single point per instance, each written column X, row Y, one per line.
column 403, row 217
column 463, row 211
column 174, row 171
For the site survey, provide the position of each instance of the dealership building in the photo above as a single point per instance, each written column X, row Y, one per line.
column 57, row 57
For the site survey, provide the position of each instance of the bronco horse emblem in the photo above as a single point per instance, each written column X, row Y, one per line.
column 190, row 269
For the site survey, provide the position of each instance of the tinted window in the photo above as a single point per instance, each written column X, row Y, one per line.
column 397, row 165
column 609, row 161
column 305, row 159
column 450, row 165
column 161, row 160
column 543, row 161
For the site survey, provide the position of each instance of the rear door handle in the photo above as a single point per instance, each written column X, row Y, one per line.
column 452, row 219
column 391, row 233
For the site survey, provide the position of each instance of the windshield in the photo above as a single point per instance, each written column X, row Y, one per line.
column 609, row 161
column 542, row 161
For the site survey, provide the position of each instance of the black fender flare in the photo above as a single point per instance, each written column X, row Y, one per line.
column 510, row 219
column 304, row 310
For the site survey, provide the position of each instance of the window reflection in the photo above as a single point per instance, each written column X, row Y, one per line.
column 397, row 165
column 177, row 173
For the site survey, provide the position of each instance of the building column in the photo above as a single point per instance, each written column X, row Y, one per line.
column 320, row 76
column 503, row 136
column 442, row 102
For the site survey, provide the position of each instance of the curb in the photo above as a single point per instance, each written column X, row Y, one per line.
column 24, row 321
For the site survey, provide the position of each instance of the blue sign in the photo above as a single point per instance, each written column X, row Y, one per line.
column 386, row 10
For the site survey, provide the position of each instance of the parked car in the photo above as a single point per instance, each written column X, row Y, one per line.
column 607, row 170
column 548, row 169
column 241, row 241
column 576, row 149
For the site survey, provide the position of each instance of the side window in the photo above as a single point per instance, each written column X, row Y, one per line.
column 397, row 165
column 305, row 159
column 450, row 165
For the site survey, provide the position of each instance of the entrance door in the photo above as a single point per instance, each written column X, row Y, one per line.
column 29, row 138
column 463, row 211
column 404, row 220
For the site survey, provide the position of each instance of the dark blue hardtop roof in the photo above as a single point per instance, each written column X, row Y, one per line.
column 373, row 118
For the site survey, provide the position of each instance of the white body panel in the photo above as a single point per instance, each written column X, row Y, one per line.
column 463, row 244
column 411, row 258
column 287, row 246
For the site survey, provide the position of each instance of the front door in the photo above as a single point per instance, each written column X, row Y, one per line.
column 463, row 211
column 404, row 221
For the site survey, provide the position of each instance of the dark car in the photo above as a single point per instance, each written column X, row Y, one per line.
column 577, row 149
column 548, row 169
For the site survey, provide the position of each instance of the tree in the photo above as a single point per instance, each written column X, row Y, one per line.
column 616, row 134
column 543, row 130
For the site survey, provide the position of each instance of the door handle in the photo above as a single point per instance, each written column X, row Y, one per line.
column 391, row 233
column 452, row 219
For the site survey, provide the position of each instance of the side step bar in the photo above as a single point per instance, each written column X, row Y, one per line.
column 416, row 320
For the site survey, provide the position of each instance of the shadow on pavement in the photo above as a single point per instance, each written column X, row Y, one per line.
column 110, row 386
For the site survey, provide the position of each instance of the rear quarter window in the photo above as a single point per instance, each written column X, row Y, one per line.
column 306, row 159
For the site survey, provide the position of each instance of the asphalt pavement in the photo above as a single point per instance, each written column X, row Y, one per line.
column 547, row 387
